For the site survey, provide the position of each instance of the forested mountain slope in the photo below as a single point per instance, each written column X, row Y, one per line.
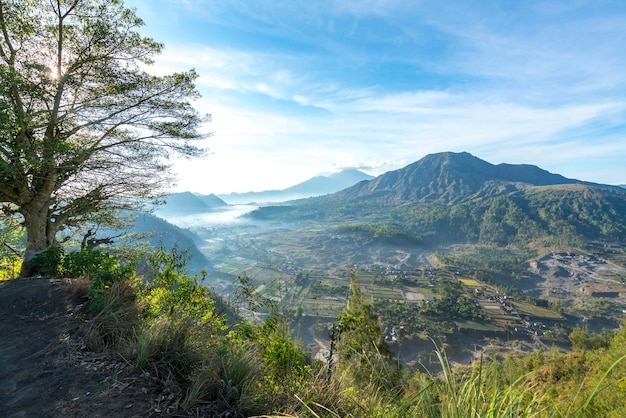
column 460, row 198
column 160, row 233
column 451, row 178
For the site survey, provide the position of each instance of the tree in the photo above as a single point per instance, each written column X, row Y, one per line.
column 84, row 129
column 363, row 357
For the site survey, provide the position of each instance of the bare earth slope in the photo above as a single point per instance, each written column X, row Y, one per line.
column 45, row 371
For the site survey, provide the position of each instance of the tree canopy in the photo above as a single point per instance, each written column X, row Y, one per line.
column 84, row 128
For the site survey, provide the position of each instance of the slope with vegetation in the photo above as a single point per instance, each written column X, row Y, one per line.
column 460, row 198
column 453, row 213
column 86, row 132
column 165, row 332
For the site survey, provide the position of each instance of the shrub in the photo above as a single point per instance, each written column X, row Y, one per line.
column 10, row 266
column 48, row 262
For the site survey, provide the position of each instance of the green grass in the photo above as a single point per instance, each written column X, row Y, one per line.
column 470, row 282
column 535, row 311
column 478, row 326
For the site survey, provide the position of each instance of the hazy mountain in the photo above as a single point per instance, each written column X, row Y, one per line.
column 458, row 197
column 211, row 200
column 188, row 203
column 316, row 186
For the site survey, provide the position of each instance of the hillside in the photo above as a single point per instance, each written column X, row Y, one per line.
column 158, row 232
column 45, row 369
column 450, row 178
column 450, row 197
column 188, row 203
column 48, row 370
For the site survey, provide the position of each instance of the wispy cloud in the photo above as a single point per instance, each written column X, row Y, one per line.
column 306, row 87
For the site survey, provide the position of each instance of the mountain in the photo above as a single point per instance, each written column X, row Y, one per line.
column 186, row 203
column 158, row 232
column 316, row 186
column 211, row 201
column 328, row 184
column 451, row 178
column 456, row 197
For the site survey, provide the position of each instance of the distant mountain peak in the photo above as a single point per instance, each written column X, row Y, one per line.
column 315, row 186
column 188, row 203
column 450, row 177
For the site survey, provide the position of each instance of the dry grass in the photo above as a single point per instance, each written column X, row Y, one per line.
column 118, row 319
column 79, row 287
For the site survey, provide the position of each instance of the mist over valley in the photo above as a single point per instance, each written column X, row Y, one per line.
column 450, row 247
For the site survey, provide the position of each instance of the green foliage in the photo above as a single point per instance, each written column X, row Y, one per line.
column 485, row 259
column 378, row 231
column 178, row 332
column 167, row 325
column 282, row 369
column 101, row 268
column 363, row 358
column 49, row 262
column 10, row 266
column 85, row 130
column 556, row 216
column 582, row 339
column 12, row 239
column 452, row 302
column 181, row 296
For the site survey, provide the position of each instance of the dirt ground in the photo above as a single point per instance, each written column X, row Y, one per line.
column 45, row 369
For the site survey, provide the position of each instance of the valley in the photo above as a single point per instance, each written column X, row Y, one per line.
column 451, row 251
column 304, row 269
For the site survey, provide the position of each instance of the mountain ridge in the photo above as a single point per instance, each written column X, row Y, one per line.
column 456, row 197
column 188, row 203
column 449, row 177
column 315, row 186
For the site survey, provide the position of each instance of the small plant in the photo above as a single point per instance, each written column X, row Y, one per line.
column 10, row 266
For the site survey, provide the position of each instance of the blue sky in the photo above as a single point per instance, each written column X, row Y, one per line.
column 299, row 88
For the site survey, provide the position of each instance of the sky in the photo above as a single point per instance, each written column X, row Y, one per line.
column 299, row 88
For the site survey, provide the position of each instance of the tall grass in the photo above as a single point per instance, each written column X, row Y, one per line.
column 456, row 393
column 117, row 318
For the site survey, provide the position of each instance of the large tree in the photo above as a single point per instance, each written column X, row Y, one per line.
column 84, row 129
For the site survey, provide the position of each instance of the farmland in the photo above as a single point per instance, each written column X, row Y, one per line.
column 305, row 272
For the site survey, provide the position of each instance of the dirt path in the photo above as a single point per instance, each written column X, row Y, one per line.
column 45, row 370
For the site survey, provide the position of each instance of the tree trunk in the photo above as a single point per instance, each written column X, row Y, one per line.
column 40, row 236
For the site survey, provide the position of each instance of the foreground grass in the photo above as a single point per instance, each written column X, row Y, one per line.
column 169, row 327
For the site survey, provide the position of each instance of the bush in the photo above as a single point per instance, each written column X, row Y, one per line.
column 48, row 263
column 10, row 266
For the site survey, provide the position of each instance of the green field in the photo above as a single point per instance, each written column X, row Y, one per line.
column 478, row 326
column 535, row 311
column 470, row 282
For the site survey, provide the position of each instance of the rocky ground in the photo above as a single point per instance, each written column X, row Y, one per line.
column 579, row 277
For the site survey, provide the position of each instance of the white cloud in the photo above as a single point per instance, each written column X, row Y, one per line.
column 534, row 82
